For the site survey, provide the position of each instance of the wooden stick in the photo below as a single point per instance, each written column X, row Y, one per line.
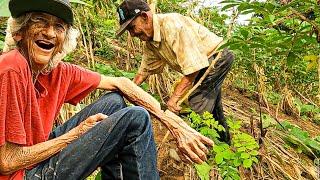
column 306, row 99
column 201, row 79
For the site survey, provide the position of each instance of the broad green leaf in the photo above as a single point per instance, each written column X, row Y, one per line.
column 241, row 149
column 228, row 1
column 245, row 155
column 254, row 159
column 236, row 162
column 270, row 7
column 243, row 6
column 221, row 128
column 254, row 152
column 211, row 133
column 218, row 148
column 227, row 154
column 219, row 158
column 247, row 163
column 248, row 11
column 203, row 170
column 314, row 145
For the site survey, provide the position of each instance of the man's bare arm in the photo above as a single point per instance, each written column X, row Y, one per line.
column 14, row 157
column 190, row 142
column 182, row 87
column 139, row 79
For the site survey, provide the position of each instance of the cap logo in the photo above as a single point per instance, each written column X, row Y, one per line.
column 137, row 11
column 121, row 14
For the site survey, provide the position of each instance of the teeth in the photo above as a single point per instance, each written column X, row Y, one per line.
column 44, row 44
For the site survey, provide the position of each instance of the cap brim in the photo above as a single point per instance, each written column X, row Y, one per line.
column 57, row 8
column 123, row 27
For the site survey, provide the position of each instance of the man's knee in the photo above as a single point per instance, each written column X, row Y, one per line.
column 113, row 98
column 140, row 116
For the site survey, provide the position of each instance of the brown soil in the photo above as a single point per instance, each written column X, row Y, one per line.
column 239, row 104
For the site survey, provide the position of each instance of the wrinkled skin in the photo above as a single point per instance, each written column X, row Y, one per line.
column 142, row 27
column 14, row 157
column 191, row 144
column 41, row 39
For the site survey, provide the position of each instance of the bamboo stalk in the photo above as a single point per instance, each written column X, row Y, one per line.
column 89, row 39
column 84, row 39
column 319, row 79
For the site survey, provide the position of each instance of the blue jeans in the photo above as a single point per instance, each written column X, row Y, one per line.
column 122, row 145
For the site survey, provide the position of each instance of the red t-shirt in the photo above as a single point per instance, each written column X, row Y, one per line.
column 27, row 110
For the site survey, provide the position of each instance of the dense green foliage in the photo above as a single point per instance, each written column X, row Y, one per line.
column 279, row 40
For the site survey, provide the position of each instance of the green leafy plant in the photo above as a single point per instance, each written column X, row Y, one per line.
column 307, row 110
column 206, row 124
column 274, row 97
column 300, row 139
column 243, row 150
column 203, row 170
column 113, row 71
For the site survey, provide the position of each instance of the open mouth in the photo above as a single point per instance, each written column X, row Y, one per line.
column 45, row 45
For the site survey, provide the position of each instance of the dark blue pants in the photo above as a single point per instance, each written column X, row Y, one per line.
column 122, row 145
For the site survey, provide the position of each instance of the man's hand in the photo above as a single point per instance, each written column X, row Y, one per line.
column 139, row 78
column 173, row 106
column 181, row 88
column 191, row 144
column 87, row 124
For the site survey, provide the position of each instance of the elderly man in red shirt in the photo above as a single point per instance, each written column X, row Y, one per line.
column 34, row 84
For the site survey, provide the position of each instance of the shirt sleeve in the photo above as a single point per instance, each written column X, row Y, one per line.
column 183, row 43
column 81, row 83
column 12, row 94
column 151, row 63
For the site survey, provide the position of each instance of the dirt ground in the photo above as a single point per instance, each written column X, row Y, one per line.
column 241, row 105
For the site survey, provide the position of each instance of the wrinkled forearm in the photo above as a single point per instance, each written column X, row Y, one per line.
column 191, row 143
column 139, row 97
column 184, row 85
column 14, row 157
